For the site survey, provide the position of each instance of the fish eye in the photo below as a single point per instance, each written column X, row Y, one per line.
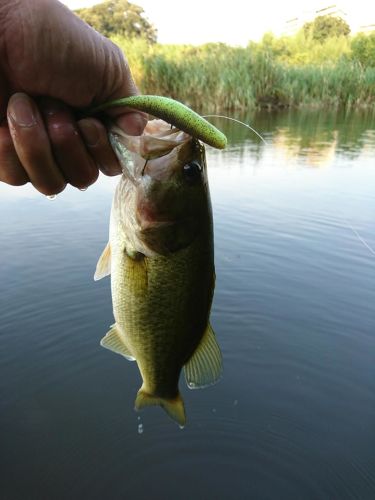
column 192, row 171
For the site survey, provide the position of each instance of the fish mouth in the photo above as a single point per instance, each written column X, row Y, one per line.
column 133, row 152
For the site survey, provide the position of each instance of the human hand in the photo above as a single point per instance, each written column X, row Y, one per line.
column 51, row 64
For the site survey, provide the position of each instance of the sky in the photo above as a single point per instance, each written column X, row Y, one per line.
column 234, row 22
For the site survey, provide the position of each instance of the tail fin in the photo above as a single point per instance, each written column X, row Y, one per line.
column 174, row 407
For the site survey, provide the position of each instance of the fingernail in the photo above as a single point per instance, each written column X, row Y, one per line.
column 22, row 110
column 112, row 170
column 90, row 132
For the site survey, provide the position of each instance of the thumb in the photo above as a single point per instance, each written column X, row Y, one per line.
column 132, row 122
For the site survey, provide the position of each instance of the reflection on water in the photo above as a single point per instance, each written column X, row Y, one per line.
column 312, row 137
column 293, row 416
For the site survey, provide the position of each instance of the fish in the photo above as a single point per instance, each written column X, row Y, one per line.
column 160, row 256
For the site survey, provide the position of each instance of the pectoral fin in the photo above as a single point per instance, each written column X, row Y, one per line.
column 103, row 267
column 114, row 341
column 204, row 368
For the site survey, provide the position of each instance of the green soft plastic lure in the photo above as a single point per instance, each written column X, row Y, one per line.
column 173, row 112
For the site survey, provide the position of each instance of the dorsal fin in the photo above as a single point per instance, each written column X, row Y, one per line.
column 204, row 368
column 114, row 341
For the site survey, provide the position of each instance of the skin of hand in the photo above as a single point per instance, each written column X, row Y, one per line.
column 51, row 65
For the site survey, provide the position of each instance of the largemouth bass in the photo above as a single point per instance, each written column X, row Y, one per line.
column 161, row 259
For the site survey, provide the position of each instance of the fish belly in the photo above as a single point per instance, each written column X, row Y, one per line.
column 161, row 305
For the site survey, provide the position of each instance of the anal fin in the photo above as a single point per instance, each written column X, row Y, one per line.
column 204, row 368
column 103, row 267
column 114, row 342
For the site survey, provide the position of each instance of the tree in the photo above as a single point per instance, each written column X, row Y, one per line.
column 118, row 17
column 324, row 27
column 363, row 49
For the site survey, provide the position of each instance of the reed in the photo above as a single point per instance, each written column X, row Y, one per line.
column 217, row 76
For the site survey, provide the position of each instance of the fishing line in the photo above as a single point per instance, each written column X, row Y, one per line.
column 237, row 121
column 355, row 232
column 362, row 240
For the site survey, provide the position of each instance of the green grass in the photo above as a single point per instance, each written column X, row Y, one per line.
column 215, row 76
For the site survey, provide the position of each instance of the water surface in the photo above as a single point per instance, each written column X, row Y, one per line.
column 293, row 416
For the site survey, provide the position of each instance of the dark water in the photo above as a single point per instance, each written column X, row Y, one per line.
column 294, row 313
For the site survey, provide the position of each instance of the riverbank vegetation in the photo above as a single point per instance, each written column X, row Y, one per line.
column 321, row 65
column 277, row 72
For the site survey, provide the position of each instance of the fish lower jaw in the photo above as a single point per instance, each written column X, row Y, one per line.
column 147, row 224
column 149, row 218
